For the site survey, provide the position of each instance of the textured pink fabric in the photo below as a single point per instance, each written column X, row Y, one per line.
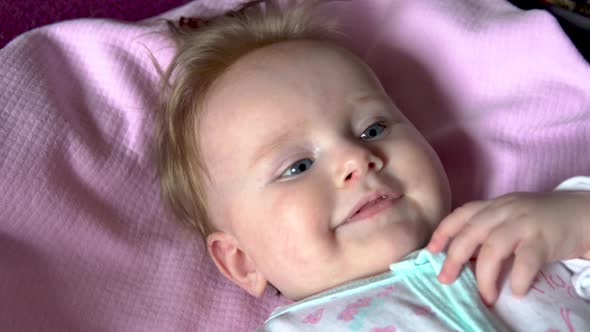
column 19, row 16
column 85, row 243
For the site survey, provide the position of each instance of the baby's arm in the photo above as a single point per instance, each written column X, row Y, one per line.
column 536, row 228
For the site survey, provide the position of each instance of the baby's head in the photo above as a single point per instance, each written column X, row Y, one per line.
column 283, row 149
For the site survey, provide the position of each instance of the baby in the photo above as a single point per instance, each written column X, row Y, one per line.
column 284, row 151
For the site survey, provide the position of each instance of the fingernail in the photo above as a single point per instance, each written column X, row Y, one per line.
column 431, row 247
column 443, row 277
column 518, row 295
column 488, row 304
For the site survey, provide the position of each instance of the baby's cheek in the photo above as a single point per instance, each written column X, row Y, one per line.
column 304, row 221
column 427, row 183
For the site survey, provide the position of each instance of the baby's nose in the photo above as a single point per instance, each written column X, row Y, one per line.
column 356, row 165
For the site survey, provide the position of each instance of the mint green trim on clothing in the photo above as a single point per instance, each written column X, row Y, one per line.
column 458, row 304
column 454, row 307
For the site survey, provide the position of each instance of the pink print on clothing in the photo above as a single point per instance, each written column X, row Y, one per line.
column 551, row 282
column 390, row 328
column 315, row 317
column 352, row 309
column 565, row 315
column 387, row 291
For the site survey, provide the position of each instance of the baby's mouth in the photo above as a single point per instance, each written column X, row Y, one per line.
column 371, row 205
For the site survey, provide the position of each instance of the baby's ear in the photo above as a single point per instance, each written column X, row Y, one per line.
column 234, row 263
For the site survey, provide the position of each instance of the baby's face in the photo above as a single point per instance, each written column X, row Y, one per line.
column 315, row 172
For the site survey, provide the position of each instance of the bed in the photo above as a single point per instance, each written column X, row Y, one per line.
column 86, row 244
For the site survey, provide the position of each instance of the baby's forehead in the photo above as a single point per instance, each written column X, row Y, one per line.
column 280, row 86
column 286, row 52
column 297, row 55
column 293, row 67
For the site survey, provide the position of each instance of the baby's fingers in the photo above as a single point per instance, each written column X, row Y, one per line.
column 465, row 243
column 453, row 224
column 529, row 259
column 498, row 247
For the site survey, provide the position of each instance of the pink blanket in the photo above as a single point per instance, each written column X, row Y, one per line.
column 22, row 15
column 85, row 242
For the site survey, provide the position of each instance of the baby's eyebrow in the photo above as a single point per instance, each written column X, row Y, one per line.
column 368, row 98
column 270, row 146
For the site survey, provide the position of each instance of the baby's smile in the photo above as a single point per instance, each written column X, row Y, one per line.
column 371, row 205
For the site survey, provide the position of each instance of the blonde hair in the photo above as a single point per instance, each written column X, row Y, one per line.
column 203, row 55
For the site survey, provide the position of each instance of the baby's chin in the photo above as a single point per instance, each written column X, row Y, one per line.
column 364, row 259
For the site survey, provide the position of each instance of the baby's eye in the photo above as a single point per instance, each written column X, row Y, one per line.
column 299, row 166
column 374, row 130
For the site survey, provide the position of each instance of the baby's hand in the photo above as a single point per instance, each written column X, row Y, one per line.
column 536, row 228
